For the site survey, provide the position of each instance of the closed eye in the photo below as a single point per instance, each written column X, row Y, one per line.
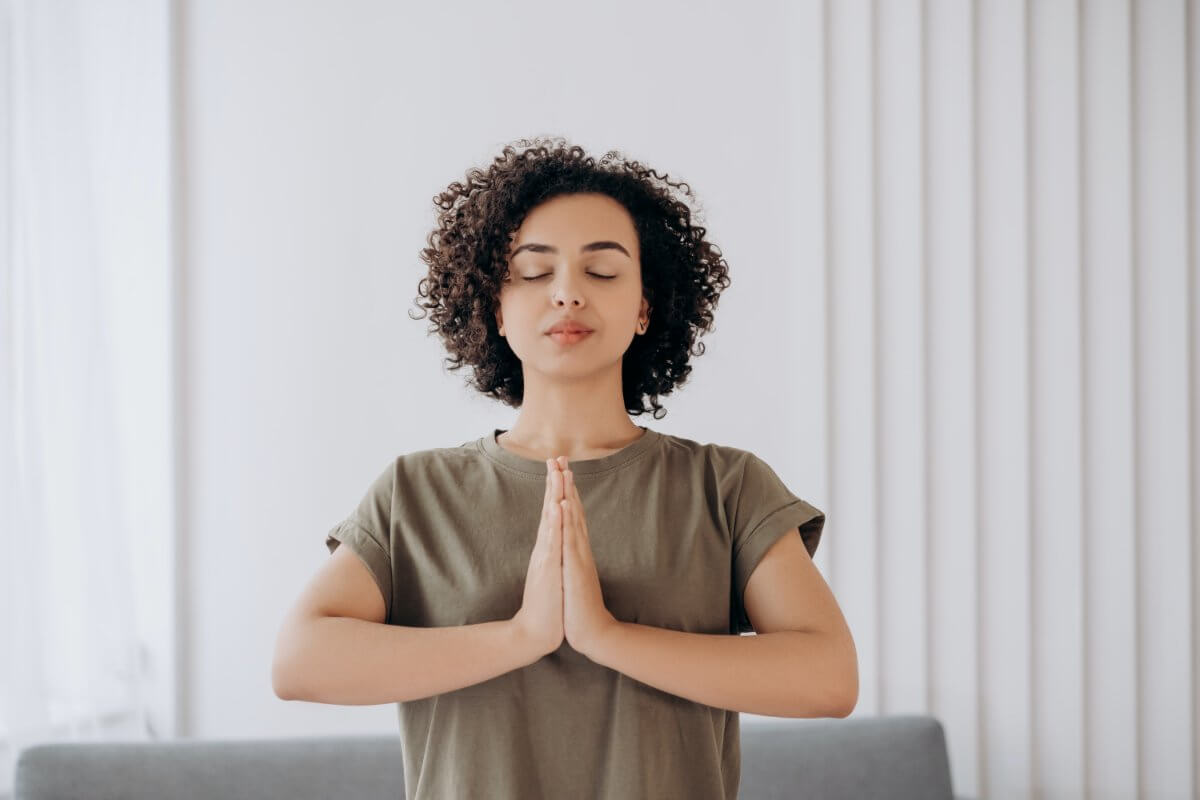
column 539, row 277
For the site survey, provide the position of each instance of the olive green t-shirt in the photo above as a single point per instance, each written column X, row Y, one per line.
column 676, row 528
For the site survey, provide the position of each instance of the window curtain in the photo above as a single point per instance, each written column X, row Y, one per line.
column 83, row 266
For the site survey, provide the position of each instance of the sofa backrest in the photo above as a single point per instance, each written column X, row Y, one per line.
column 896, row 757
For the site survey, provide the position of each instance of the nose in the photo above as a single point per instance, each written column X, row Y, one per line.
column 566, row 288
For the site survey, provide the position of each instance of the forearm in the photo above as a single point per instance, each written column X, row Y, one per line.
column 779, row 674
column 348, row 661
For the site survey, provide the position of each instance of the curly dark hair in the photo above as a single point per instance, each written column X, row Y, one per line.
column 682, row 273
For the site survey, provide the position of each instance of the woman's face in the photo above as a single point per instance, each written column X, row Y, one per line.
column 574, row 256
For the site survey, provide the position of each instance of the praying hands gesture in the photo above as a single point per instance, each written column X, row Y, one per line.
column 562, row 588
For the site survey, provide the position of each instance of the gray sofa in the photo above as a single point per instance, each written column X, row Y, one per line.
column 894, row 757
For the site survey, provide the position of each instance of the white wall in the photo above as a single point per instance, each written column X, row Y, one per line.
column 971, row 225
column 315, row 141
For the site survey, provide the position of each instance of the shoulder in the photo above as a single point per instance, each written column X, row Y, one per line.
column 722, row 458
column 431, row 465
column 736, row 473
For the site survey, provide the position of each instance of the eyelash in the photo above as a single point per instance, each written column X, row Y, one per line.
column 602, row 277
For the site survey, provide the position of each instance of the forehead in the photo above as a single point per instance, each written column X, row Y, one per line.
column 570, row 221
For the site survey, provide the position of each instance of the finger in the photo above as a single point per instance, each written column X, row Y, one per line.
column 553, row 537
column 563, row 532
column 549, row 503
column 568, row 523
column 576, row 502
column 573, row 520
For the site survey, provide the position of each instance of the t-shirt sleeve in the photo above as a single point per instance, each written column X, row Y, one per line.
column 367, row 531
column 763, row 509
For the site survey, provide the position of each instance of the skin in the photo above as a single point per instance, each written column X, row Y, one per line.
column 585, row 619
column 573, row 405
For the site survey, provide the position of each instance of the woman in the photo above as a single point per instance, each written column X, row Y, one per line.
column 561, row 595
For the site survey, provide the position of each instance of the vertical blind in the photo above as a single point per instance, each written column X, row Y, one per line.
column 1009, row 239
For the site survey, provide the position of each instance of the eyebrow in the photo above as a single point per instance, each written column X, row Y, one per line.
column 545, row 248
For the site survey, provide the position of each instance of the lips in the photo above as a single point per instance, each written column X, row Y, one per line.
column 568, row 327
column 567, row 337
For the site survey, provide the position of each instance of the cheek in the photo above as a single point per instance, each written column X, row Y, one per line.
column 521, row 315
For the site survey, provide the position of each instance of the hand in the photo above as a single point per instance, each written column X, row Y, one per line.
column 585, row 617
column 540, row 617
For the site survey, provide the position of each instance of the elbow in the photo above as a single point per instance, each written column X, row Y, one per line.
column 284, row 675
column 287, row 657
column 849, row 695
column 844, row 705
column 279, row 683
column 846, row 708
column 852, row 693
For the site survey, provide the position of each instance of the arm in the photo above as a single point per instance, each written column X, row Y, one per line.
column 779, row 674
column 802, row 661
column 348, row 661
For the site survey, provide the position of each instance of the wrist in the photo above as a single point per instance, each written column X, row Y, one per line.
column 523, row 640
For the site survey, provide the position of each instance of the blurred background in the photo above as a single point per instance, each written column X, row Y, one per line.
column 963, row 248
